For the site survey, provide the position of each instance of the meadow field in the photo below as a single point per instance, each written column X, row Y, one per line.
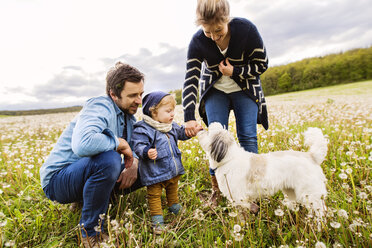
column 343, row 112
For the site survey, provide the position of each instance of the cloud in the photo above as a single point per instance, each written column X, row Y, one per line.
column 70, row 82
column 293, row 30
column 164, row 71
column 73, row 84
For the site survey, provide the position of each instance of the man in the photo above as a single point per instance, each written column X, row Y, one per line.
column 86, row 162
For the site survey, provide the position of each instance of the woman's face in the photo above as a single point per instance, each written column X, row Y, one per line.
column 217, row 32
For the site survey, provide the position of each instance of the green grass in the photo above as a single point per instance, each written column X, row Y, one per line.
column 354, row 89
column 29, row 219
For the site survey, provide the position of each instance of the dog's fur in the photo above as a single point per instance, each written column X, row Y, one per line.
column 244, row 176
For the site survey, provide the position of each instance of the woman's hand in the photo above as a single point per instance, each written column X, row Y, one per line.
column 226, row 70
column 191, row 128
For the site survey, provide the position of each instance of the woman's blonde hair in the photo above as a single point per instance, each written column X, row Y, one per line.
column 212, row 12
column 168, row 99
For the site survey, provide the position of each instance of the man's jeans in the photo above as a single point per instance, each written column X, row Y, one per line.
column 89, row 180
column 217, row 107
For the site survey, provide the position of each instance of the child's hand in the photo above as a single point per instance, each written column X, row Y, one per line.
column 197, row 129
column 152, row 153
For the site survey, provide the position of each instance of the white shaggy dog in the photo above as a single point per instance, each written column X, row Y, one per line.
column 244, row 176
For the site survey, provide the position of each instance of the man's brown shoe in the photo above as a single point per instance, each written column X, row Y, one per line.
column 94, row 241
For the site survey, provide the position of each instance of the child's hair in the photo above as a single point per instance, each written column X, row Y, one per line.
column 169, row 99
column 212, row 12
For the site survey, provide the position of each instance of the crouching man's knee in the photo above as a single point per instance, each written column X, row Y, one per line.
column 108, row 164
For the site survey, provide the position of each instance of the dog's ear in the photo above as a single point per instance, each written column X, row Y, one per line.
column 219, row 147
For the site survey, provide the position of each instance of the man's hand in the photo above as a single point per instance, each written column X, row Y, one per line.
column 128, row 176
column 226, row 70
column 124, row 148
column 152, row 153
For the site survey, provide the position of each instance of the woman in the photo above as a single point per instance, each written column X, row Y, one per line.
column 230, row 55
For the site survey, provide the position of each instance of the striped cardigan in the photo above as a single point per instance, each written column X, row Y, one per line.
column 246, row 52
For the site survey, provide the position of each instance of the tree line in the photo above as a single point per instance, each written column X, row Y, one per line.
column 347, row 67
column 40, row 111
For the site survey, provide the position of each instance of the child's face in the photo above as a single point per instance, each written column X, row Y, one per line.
column 165, row 114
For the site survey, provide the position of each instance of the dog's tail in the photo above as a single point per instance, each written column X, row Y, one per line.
column 317, row 142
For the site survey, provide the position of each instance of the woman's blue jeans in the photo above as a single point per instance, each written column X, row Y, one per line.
column 218, row 105
column 89, row 180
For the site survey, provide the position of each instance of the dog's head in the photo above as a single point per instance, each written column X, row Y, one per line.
column 216, row 142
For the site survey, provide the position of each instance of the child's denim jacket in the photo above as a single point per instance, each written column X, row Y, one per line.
column 168, row 163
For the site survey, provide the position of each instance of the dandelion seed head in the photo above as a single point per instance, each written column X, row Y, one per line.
column 233, row 214
column 279, row 212
column 159, row 241
column 342, row 213
column 320, row 245
column 128, row 226
column 3, row 223
column 198, row 214
column 238, row 237
column 115, row 225
column 368, row 188
column 10, row 243
column 5, row 186
column 342, row 176
column 345, row 186
column 129, row 212
column 97, row 228
column 337, row 245
column 30, row 166
column 237, row 228
column 362, row 195
column 335, row 225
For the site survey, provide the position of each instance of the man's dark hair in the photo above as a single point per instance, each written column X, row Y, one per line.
column 118, row 75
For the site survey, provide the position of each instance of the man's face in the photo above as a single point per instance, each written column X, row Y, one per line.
column 131, row 97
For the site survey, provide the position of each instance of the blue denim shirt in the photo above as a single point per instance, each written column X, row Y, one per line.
column 94, row 130
column 168, row 163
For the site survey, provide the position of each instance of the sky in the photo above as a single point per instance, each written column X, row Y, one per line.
column 56, row 53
